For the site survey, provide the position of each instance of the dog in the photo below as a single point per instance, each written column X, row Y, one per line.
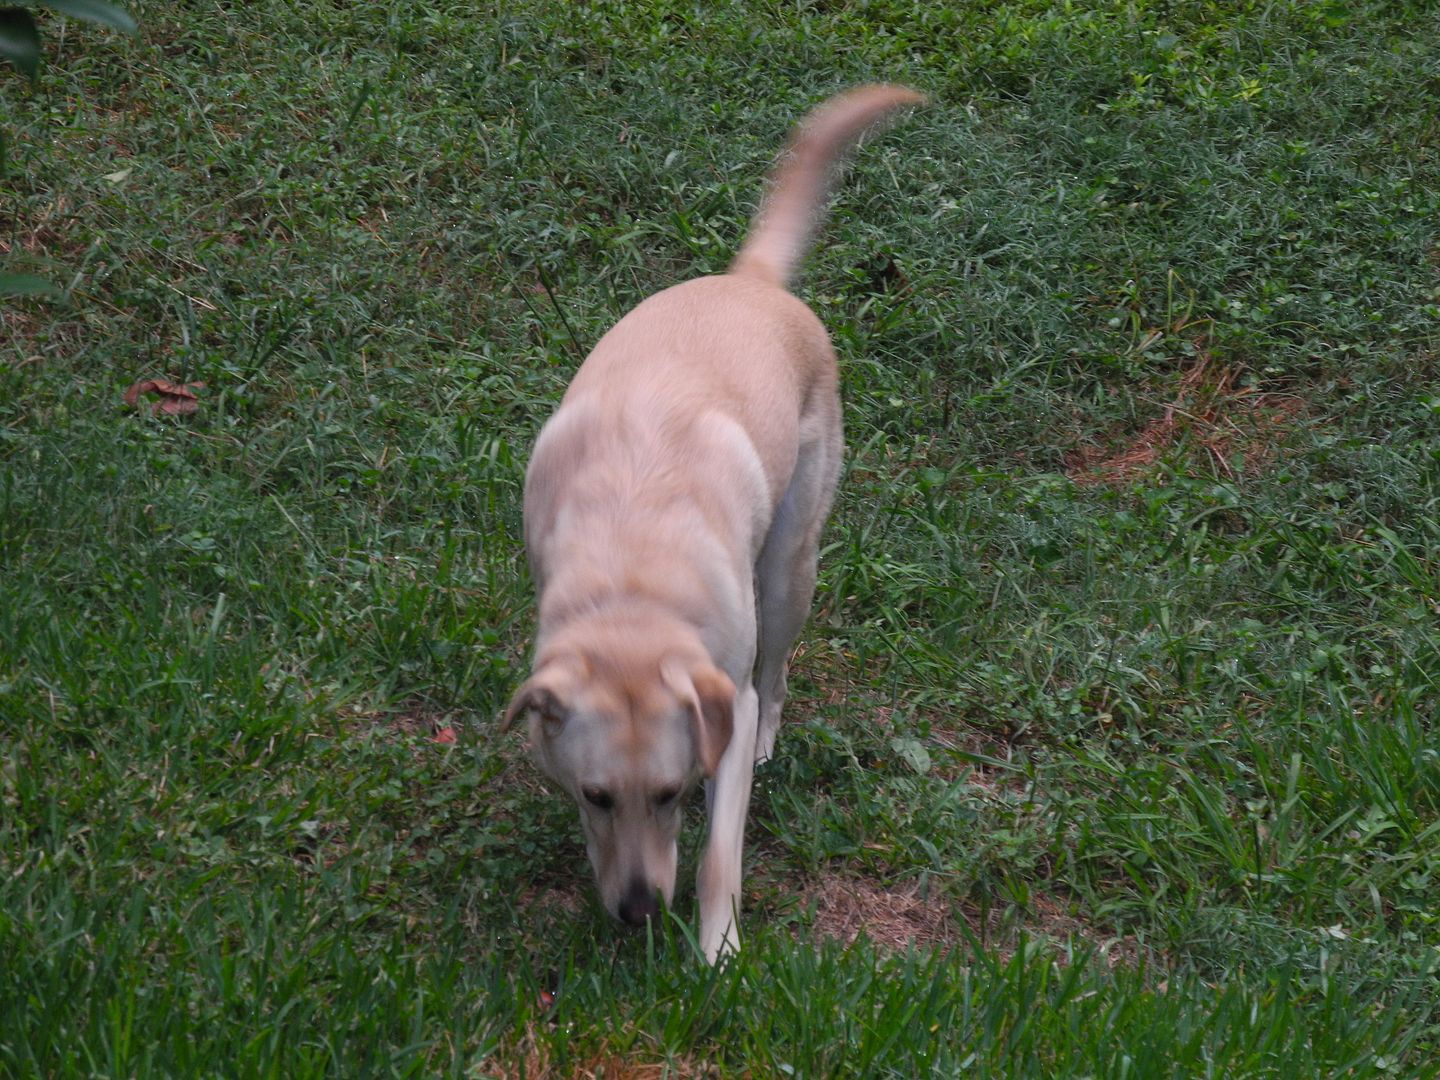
column 673, row 507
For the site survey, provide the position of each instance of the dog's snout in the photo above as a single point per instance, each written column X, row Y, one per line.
column 639, row 903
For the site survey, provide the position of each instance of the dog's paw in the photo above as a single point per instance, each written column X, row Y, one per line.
column 718, row 944
column 764, row 747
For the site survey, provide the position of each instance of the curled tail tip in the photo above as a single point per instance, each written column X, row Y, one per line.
column 883, row 95
column 837, row 122
column 789, row 210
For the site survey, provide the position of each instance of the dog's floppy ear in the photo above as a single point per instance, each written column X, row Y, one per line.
column 533, row 698
column 545, row 692
column 710, row 696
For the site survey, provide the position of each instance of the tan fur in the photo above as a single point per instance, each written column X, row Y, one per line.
column 673, row 508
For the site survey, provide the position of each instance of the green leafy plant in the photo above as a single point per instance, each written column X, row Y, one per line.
column 20, row 44
column 20, row 37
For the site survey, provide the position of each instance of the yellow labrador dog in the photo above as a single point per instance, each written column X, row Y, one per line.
column 673, row 508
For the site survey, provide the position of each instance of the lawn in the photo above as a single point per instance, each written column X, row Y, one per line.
column 1112, row 746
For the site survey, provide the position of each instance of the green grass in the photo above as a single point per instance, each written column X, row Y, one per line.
column 1149, row 752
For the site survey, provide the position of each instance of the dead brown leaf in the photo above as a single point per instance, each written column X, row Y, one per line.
column 172, row 399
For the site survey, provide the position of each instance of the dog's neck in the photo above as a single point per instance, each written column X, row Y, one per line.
column 627, row 624
column 567, row 608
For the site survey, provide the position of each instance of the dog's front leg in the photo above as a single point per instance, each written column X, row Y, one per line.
column 718, row 883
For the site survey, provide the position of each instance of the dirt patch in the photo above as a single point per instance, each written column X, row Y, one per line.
column 894, row 917
column 566, row 898
column 22, row 329
column 1236, row 430
column 413, row 720
column 532, row 1059
column 898, row 916
column 977, row 756
column 45, row 232
column 1049, row 918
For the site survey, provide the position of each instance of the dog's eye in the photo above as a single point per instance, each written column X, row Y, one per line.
column 601, row 800
column 666, row 797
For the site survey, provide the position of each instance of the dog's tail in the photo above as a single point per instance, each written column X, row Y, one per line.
column 780, row 233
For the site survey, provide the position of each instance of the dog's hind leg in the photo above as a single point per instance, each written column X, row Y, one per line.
column 785, row 574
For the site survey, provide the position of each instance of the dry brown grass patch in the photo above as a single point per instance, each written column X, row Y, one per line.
column 893, row 917
column 1236, row 429
column 532, row 1059
column 568, row 898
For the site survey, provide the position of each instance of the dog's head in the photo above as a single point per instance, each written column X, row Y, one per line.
column 628, row 732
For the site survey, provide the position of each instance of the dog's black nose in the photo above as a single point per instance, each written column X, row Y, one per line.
column 639, row 903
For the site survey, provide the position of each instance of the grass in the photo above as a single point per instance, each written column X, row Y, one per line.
column 1114, row 730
